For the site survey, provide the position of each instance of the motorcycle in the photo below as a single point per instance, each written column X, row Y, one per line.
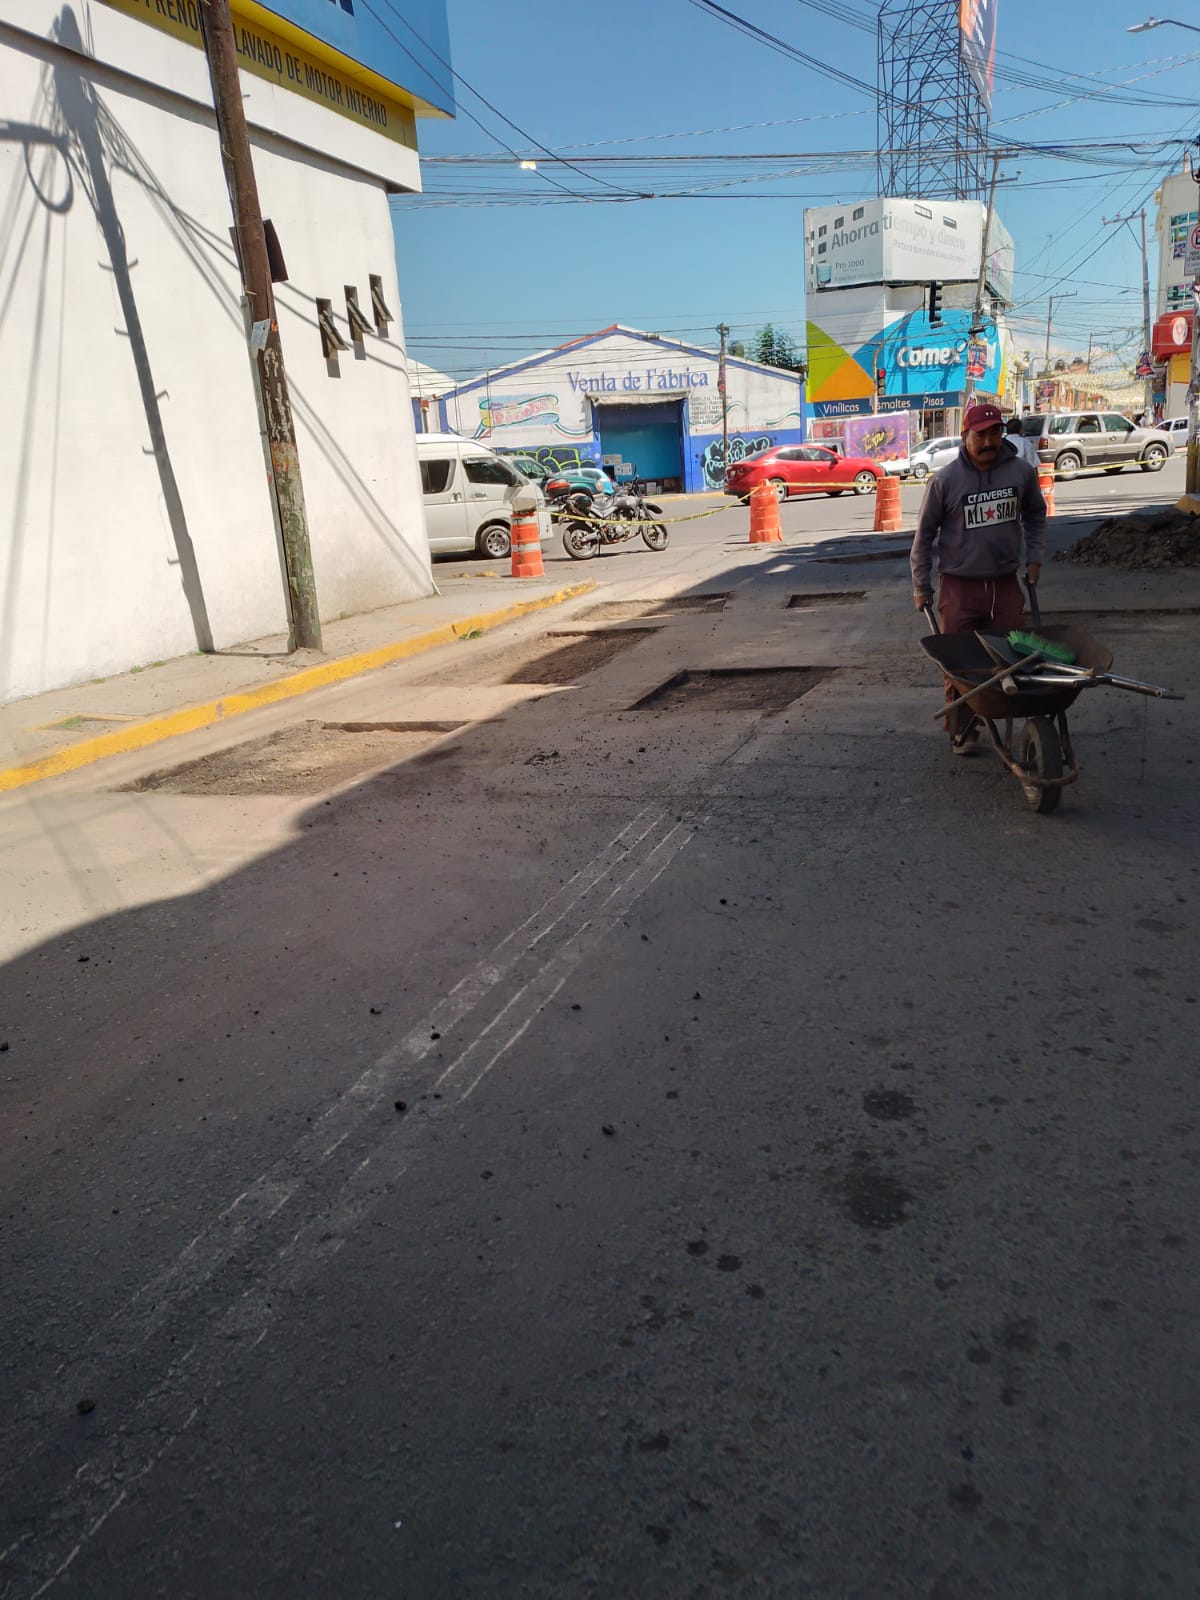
column 593, row 521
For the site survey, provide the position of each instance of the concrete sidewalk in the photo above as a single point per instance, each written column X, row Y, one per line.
column 48, row 734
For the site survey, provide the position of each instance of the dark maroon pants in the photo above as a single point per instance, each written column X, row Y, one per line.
column 992, row 605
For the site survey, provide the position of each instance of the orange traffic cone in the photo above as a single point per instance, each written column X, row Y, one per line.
column 1046, row 485
column 764, row 516
column 887, row 505
column 526, row 546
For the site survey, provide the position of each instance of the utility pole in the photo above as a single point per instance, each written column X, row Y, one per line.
column 722, row 387
column 1147, row 330
column 221, row 53
column 1147, row 334
column 1070, row 295
column 977, row 323
column 1191, row 483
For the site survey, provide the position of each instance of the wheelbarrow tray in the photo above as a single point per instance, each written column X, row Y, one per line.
column 966, row 663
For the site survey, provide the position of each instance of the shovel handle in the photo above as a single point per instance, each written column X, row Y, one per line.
column 988, row 683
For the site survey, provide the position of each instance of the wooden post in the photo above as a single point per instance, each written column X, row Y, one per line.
column 234, row 136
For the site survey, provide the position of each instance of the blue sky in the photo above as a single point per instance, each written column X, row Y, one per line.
column 523, row 263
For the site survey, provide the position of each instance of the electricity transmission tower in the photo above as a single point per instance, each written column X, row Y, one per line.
column 931, row 119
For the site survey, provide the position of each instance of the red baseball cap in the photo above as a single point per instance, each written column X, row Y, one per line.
column 981, row 416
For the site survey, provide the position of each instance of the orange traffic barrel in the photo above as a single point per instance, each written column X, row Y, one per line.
column 1046, row 485
column 764, row 516
column 887, row 505
column 526, row 546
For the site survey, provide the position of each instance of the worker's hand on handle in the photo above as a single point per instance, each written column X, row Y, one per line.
column 1034, row 572
column 922, row 599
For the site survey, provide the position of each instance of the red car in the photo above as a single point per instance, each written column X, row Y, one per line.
column 803, row 469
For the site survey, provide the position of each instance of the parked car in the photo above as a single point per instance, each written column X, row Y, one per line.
column 565, row 480
column 803, row 469
column 533, row 469
column 1077, row 440
column 926, row 458
column 468, row 491
column 1177, row 427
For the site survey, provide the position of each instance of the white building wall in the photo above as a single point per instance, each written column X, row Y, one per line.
column 95, row 525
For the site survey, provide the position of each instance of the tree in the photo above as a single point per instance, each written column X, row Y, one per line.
column 775, row 348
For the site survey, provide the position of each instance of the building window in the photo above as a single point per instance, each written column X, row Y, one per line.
column 858, row 213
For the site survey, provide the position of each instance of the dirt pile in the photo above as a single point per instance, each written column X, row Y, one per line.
column 1140, row 540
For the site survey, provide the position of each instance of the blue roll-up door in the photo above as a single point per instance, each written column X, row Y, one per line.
column 648, row 437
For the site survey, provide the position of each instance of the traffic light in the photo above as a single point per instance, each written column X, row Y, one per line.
column 935, row 305
column 880, row 379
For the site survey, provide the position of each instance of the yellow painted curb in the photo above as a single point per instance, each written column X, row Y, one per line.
column 141, row 734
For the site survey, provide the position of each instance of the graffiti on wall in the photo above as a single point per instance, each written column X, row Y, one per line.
column 562, row 457
column 713, row 461
column 495, row 414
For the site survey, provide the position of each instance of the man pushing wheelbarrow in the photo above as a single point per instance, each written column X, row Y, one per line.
column 978, row 511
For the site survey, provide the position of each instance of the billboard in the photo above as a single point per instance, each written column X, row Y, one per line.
column 1001, row 261
column 893, row 241
column 883, row 438
column 977, row 44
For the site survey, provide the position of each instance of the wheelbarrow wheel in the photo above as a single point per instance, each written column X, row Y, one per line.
column 1041, row 755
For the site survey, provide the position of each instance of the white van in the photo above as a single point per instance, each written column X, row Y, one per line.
column 468, row 492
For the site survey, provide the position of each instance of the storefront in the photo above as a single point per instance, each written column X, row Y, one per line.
column 1172, row 345
column 643, row 406
column 893, row 359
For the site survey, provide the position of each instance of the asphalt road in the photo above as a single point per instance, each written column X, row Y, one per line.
column 705, row 1144
column 811, row 519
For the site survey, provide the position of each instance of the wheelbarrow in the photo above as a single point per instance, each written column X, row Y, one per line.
column 1002, row 685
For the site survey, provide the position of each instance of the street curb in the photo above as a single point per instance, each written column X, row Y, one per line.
column 141, row 734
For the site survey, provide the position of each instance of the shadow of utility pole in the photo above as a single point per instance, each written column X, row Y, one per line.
column 81, row 115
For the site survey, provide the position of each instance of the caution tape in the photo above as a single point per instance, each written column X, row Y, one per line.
column 639, row 522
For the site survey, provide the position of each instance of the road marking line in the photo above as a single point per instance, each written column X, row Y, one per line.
column 635, row 848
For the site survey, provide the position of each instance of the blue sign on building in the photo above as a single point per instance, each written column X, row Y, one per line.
column 405, row 41
column 927, row 364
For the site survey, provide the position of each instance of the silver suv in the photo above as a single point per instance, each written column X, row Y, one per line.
column 1100, row 439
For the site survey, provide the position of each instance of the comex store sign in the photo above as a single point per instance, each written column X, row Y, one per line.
column 923, row 357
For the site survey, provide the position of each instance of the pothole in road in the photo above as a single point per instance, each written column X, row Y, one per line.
column 809, row 602
column 305, row 759
column 583, row 654
column 734, row 689
column 680, row 605
column 553, row 659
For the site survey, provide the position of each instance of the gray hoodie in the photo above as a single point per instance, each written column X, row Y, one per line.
column 977, row 519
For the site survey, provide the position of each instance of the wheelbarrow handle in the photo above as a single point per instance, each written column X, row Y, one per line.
column 1035, row 610
column 931, row 619
column 1137, row 686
